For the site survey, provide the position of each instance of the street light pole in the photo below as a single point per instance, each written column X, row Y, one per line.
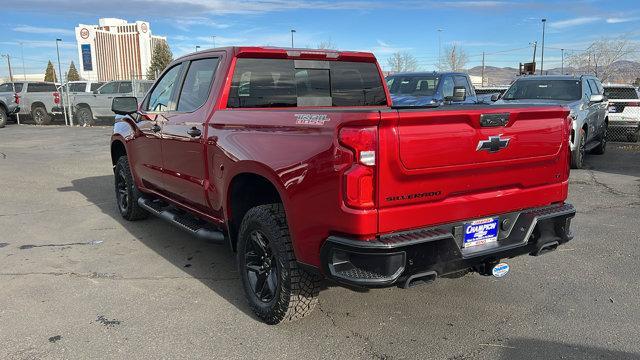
column 292, row 31
column 562, row 66
column 439, row 46
column 544, row 25
column 24, row 70
column 64, row 107
column 214, row 40
column 197, row 47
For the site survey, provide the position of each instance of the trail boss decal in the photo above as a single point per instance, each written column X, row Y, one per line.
column 312, row 119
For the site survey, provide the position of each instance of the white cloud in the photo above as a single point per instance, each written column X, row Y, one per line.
column 42, row 30
column 563, row 24
column 618, row 20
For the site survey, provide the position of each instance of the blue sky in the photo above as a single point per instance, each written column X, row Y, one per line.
column 503, row 29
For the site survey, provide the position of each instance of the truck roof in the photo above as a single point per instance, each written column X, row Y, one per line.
column 289, row 53
column 427, row 73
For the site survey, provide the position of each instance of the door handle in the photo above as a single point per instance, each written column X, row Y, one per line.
column 194, row 132
column 156, row 128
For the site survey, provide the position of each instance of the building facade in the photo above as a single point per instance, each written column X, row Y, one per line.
column 115, row 49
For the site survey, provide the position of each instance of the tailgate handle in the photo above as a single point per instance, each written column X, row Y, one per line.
column 494, row 120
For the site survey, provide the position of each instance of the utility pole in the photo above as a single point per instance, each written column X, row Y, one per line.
column 292, row 31
column 483, row 68
column 214, row 40
column 544, row 25
column 64, row 107
column 562, row 66
column 13, row 85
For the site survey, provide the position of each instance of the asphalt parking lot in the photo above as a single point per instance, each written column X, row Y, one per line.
column 78, row 282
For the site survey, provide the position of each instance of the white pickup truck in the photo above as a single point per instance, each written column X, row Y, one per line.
column 88, row 107
column 38, row 99
column 624, row 110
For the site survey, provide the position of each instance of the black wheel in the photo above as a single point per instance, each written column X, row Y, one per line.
column 633, row 137
column 84, row 116
column 602, row 146
column 577, row 155
column 40, row 115
column 276, row 287
column 3, row 118
column 127, row 193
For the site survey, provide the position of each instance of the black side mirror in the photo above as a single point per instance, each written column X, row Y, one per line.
column 495, row 97
column 459, row 94
column 124, row 105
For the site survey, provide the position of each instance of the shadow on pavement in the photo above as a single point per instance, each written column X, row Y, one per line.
column 213, row 265
column 620, row 158
column 540, row 349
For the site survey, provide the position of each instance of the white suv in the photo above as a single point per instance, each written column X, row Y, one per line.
column 624, row 110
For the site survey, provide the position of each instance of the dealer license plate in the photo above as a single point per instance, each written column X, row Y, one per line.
column 480, row 232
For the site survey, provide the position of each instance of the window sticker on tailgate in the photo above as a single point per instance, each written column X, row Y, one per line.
column 480, row 232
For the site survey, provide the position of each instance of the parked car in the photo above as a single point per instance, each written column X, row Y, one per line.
column 88, row 107
column 9, row 101
column 40, row 100
column 584, row 95
column 624, row 110
column 227, row 147
column 429, row 88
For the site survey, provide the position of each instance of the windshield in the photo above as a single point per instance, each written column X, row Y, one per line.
column 566, row 90
column 7, row 87
column 413, row 85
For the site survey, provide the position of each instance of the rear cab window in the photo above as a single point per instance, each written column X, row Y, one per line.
column 264, row 83
column 615, row 93
column 8, row 87
column 77, row 87
column 41, row 87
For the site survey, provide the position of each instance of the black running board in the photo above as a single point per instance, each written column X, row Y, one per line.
column 184, row 221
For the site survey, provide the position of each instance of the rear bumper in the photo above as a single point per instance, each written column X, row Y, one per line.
column 398, row 257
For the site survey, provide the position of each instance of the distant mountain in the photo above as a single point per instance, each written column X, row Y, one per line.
column 625, row 71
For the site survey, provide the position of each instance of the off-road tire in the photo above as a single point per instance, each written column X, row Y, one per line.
column 602, row 145
column 3, row 118
column 84, row 117
column 40, row 116
column 126, row 186
column 296, row 291
column 633, row 137
column 577, row 155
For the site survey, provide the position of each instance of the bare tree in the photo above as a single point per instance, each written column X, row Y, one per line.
column 601, row 54
column 402, row 61
column 326, row 44
column 454, row 58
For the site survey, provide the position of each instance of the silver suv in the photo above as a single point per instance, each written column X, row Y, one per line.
column 584, row 95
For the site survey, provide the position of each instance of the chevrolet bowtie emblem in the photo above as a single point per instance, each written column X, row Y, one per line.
column 494, row 144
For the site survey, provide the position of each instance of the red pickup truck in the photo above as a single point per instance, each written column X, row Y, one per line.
column 297, row 160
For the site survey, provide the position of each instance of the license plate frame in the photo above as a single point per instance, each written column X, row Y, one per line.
column 480, row 232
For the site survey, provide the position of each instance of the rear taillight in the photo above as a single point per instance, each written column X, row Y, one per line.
column 16, row 98
column 56, row 97
column 359, row 184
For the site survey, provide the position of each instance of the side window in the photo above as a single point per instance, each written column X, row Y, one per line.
column 594, row 87
column 160, row 98
column 77, row 87
column 109, row 88
column 125, row 87
column 95, row 86
column 447, row 87
column 586, row 89
column 197, row 84
column 462, row 81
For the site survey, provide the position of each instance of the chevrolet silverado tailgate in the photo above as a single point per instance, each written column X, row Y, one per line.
column 457, row 163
